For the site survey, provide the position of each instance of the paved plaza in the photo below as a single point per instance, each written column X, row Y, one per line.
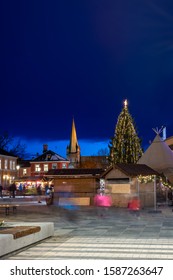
column 119, row 235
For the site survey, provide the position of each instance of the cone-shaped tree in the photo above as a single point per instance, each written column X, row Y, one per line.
column 125, row 146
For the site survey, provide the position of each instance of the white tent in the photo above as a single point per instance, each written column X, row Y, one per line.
column 159, row 157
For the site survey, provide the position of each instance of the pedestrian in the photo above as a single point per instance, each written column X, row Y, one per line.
column 1, row 189
column 52, row 190
column 49, row 195
column 46, row 188
column 102, row 201
column 20, row 189
column 12, row 190
column 68, row 205
column 134, row 206
column 39, row 193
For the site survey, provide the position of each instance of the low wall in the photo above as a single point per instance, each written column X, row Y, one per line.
column 8, row 244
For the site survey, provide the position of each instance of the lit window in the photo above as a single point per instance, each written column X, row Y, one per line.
column 37, row 168
column 54, row 165
column 45, row 167
column 11, row 164
column 14, row 165
column 5, row 164
column 64, row 165
column 24, row 171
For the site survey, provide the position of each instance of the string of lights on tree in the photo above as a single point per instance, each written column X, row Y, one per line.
column 125, row 146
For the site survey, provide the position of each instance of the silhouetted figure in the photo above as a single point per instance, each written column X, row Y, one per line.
column 12, row 190
column 39, row 192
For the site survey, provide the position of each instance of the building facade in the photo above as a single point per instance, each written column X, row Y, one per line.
column 8, row 170
column 32, row 172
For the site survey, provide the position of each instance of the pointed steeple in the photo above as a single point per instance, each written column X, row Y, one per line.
column 73, row 149
column 73, row 139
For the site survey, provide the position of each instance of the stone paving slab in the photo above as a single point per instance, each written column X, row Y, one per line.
column 119, row 236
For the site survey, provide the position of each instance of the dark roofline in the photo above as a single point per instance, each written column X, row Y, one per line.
column 45, row 153
column 40, row 157
column 5, row 153
column 133, row 170
column 75, row 171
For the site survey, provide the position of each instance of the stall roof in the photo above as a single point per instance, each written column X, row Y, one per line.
column 132, row 170
column 75, row 171
column 29, row 178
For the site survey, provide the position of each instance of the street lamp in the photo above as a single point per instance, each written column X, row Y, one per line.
column 18, row 167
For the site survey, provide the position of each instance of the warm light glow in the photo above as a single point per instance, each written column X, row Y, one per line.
column 125, row 103
column 6, row 177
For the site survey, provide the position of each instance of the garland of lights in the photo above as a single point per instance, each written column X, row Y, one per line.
column 146, row 179
column 166, row 183
column 151, row 178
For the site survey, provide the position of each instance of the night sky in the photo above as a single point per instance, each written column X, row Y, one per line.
column 81, row 59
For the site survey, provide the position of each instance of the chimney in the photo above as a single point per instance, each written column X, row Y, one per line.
column 45, row 148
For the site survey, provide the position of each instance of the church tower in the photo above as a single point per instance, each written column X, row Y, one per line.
column 73, row 149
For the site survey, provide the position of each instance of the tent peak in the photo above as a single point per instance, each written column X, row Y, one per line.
column 157, row 130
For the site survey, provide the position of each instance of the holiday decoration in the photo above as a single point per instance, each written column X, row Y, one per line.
column 125, row 146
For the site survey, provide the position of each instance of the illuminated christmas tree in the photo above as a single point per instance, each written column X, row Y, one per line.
column 125, row 146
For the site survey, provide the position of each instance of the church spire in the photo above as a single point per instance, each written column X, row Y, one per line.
column 73, row 149
column 73, row 139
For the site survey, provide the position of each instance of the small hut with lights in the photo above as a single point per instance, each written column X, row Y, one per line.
column 124, row 180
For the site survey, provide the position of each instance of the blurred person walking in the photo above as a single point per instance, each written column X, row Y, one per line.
column 39, row 193
column 50, row 195
column 102, row 201
column 135, row 206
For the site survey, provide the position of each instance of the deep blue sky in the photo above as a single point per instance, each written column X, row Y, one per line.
column 81, row 59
